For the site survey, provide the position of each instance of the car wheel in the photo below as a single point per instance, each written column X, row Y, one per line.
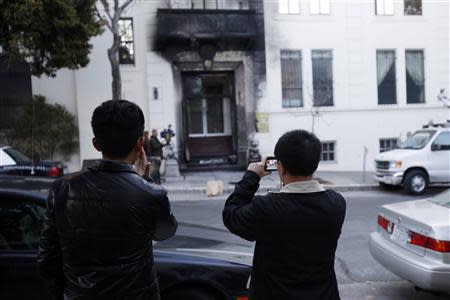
column 190, row 294
column 416, row 182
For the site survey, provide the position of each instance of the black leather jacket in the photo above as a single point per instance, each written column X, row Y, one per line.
column 296, row 237
column 96, row 241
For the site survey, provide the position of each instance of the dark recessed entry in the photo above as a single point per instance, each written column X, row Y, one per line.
column 209, row 119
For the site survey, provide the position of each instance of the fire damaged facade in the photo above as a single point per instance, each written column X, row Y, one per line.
column 217, row 60
column 196, row 65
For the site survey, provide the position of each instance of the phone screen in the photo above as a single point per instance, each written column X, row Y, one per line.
column 271, row 164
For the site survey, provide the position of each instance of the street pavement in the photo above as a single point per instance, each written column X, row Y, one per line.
column 195, row 182
column 358, row 274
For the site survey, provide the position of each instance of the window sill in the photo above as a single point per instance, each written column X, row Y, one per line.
column 416, row 104
column 328, row 162
column 128, row 67
column 305, row 18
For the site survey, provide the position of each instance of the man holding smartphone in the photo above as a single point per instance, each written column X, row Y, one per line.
column 296, row 229
column 96, row 241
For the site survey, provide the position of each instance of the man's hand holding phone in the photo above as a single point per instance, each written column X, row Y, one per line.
column 264, row 167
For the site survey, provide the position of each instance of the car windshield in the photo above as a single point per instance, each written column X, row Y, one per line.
column 19, row 157
column 442, row 199
column 418, row 140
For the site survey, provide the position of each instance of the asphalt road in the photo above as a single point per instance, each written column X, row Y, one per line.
column 359, row 275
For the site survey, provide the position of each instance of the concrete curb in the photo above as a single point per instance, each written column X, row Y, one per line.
column 265, row 189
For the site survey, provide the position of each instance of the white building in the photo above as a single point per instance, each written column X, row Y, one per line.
column 357, row 36
column 243, row 70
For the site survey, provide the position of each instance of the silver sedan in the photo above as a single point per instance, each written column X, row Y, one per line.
column 413, row 241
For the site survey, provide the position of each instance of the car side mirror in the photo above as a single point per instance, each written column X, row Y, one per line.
column 435, row 147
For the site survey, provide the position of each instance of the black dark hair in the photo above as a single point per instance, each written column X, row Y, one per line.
column 117, row 125
column 299, row 151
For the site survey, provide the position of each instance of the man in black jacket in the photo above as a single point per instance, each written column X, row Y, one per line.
column 296, row 230
column 96, row 241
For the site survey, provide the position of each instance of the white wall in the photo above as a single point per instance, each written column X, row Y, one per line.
column 354, row 32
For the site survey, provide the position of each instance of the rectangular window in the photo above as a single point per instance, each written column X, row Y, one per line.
column 320, row 7
column 329, row 151
column 289, row 6
column 126, row 50
column 413, row 7
column 415, row 78
column 387, row 144
column 386, row 77
column 322, row 69
column 291, row 78
column 384, row 7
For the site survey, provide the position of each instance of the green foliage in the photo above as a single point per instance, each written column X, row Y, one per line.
column 44, row 129
column 51, row 34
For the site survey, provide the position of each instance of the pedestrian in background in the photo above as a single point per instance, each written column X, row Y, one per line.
column 96, row 241
column 296, row 230
column 147, row 147
column 156, row 156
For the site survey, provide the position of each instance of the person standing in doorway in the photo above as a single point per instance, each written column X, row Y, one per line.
column 147, row 147
column 156, row 156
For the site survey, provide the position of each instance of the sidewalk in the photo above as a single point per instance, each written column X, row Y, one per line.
column 195, row 182
column 193, row 185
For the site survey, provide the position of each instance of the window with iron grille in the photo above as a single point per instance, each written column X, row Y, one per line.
column 328, row 151
column 386, row 77
column 320, row 7
column 415, row 77
column 322, row 69
column 387, row 144
column 291, row 78
column 384, row 7
column 126, row 50
column 289, row 6
column 413, row 7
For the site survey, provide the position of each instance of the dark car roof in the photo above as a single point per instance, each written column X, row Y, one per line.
column 21, row 193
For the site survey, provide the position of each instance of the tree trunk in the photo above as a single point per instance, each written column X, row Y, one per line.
column 113, row 55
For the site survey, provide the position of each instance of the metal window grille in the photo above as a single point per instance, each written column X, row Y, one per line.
column 329, row 151
column 387, row 144
column 322, row 64
column 126, row 50
column 415, row 77
column 291, row 78
column 413, row 7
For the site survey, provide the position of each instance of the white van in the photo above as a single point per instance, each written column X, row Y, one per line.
column 422, row 160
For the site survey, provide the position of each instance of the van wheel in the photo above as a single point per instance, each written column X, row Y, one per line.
column 416, row 182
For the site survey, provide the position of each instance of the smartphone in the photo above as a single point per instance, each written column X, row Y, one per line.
column 271, row 164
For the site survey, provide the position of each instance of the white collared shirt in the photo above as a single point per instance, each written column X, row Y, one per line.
column 309, row 186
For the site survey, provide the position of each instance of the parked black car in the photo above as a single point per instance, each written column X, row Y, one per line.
column 181, row 276
column 14, row 162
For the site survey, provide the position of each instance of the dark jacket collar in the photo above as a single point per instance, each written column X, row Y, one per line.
column 113, row 166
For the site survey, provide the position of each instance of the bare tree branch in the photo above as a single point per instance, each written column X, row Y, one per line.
column 105, row 4
column 123, row 6
column 97, row 12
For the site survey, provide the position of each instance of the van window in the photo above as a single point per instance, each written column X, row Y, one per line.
column 443, row 140
column 418, row 140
